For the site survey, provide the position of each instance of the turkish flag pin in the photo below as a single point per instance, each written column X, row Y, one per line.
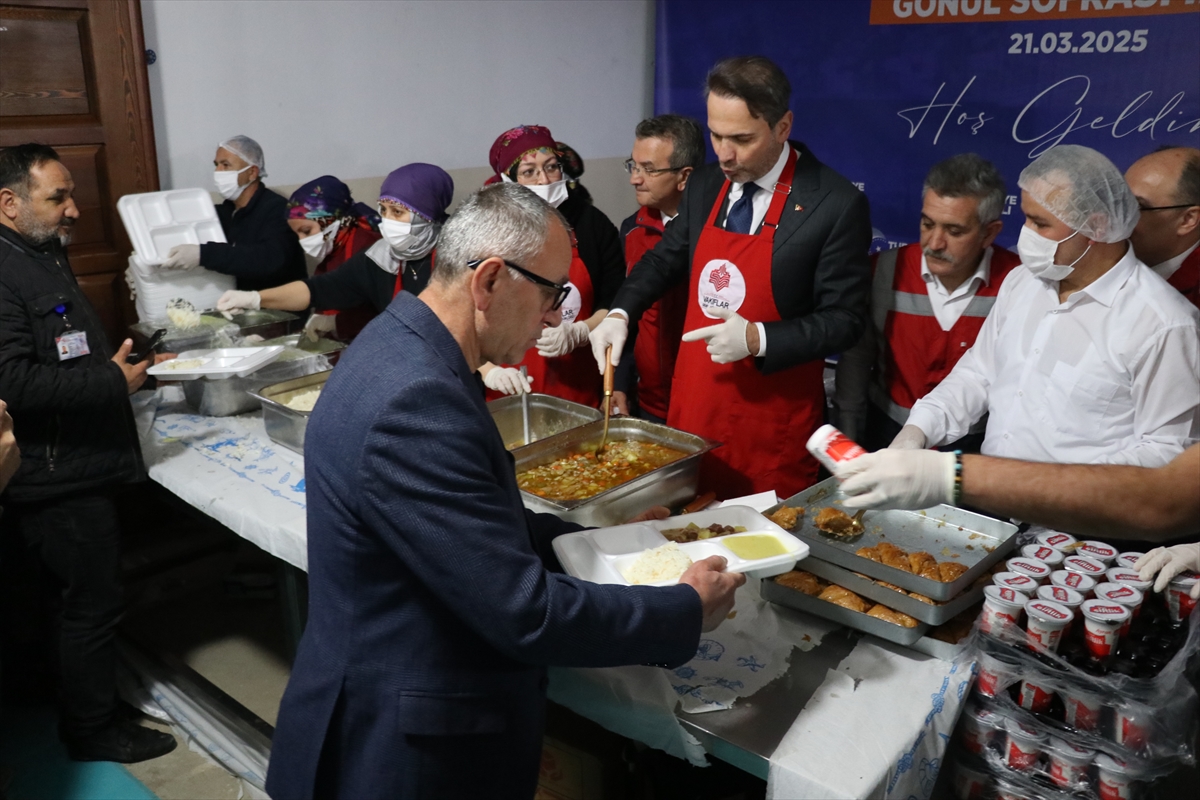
column 799, row 207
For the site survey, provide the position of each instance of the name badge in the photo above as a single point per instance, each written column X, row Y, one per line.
column 72, row 345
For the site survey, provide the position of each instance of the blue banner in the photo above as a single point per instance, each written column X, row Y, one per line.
column 884, row 89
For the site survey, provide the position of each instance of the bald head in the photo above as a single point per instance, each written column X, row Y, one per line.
column 1167, row 186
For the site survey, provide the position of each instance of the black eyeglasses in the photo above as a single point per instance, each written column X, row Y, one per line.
column 561, row 290
column 1166, row 208
column 634, row 168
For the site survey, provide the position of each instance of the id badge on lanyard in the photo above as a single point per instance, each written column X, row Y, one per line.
column 72, row 344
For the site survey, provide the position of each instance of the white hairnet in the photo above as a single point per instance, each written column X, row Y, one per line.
column 1084, row 190
column 248, row 150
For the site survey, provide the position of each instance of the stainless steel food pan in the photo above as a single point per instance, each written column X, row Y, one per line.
column 934, row 615
column 792, row 598
column 548, row 416
column 286, row 426
column 229, row 396
column 945, row 532
column 668, row 485
column 265, row 322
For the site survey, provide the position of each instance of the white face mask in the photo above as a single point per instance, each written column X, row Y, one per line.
column 320, row 245
column 227, row 183
column 553, row 193
column 1037, row 254
column 409, row 240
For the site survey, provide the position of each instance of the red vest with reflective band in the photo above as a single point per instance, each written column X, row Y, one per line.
column 1187, row 278
column 915, row 354
column 660, row 327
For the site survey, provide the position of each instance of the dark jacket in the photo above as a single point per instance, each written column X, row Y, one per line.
column 72, row 418
column 599, row 247
column 361, row 281
column 260, row 250
column 432, row 615
column 820, row 270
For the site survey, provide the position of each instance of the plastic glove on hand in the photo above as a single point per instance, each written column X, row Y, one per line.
column 320, row 324
column 562, row 339
column 612, row 331
column 909, row 479
column 182, row 256
column 727, row 340
column 910, row 437
column 507, row 380
column 234, row 300
column 1168, row 562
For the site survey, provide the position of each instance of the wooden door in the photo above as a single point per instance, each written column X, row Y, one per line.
column 73, row 76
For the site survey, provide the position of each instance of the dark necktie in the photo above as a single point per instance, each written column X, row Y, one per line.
column 742, row 212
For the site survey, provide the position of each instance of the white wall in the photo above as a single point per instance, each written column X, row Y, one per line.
column 356, row 88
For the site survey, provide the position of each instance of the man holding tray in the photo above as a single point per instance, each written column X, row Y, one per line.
column 432, row 613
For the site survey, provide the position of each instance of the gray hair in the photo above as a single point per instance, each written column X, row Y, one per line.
column 504, row 220
column 969, row 175
column 247, row 150
column 684, row 134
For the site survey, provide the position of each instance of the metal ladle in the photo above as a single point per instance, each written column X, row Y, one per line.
column 525, row 406
column 608, row 391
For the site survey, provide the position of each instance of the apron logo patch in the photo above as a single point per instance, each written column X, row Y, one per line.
column 721, row 286
column 719, row 278
column 572, row 305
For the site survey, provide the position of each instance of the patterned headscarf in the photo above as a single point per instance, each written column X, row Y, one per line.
column 572, row 164
column 327, row 197
column 515, row 143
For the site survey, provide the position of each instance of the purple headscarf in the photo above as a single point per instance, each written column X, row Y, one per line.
column 327, row 197
column 421, row 188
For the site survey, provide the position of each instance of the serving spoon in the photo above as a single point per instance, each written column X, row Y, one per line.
column 608, row 391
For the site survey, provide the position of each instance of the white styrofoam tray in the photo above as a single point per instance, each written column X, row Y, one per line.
column 225, row 362
column 599, row 554
column 158, row 221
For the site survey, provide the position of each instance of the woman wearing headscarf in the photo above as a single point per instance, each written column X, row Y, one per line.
column 330, row 225
column 561, row 365
column 412, row 206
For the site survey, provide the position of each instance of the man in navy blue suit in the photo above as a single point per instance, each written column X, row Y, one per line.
column 432, row 613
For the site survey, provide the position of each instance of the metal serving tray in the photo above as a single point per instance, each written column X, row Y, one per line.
column 668, row 485
column 792, row 598
column 268, row 323
column 229, row 396
column 286, row 426
column 945, row 532
column 548, row 416
column 934, row 615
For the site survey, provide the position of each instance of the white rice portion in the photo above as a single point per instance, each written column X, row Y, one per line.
column 304, row 401
column 664, row 563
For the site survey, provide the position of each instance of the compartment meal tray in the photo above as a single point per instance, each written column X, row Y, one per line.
column 945, row 532
column 224, row 362
column 934, row 615
column 800, row 601
column 287, row 426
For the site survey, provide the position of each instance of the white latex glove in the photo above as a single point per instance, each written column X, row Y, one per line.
column 910, row 437
column 612, row 331
column 726, row 340
column 234, row 300
column 131, row 283
column 1169, row 562
column 507, row 380
column 319, row 324
column 182, row 256
column 562, row 339
column 907, row 479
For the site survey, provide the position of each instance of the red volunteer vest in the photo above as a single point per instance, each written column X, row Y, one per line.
column 573, row 376
column 764, row 421
column 1187, row 278
column 661, row 325
column 915, row 354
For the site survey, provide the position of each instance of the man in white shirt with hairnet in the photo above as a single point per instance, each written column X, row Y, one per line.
column 1088, row 356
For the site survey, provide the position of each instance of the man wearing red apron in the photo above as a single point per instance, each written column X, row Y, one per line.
column 1166, row 184
column 773, row 247
column 668, row 148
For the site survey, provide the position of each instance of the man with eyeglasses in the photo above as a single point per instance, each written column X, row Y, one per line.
column 432, row 612
column 773, row 247
column 1166, row 184
column 666, row 150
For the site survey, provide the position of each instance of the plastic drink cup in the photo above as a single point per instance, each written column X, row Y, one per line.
column 1024, row 745
column 976, row 728
column 1068, row 763
column 969, row 783
column 1081, row 583
column 1045, row 621
column 995, row 672
column 833, row 448
column 1006, row 790
column 1043, row 553
column 1129, row 577
column 1106, row 554
column 1128, row 559
column 1055, row 539
column 1002, row 608
column 1035, row 695
column 1083, row 708
column 1022, row 583
column 1124, row 594
column 1102, row 621
column 1064, row 597
column 1115, row 781
column 1131, row 726
column 1179, row 598
column 1084, row 566
column 1030, row 567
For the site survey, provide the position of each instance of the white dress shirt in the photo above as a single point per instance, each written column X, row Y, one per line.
column 1169, row 267
column 949, row 306
column 1111, row 375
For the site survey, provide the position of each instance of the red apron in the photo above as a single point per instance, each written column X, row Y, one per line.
column 764, row 421
column 350, row 241
column 573, row 376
